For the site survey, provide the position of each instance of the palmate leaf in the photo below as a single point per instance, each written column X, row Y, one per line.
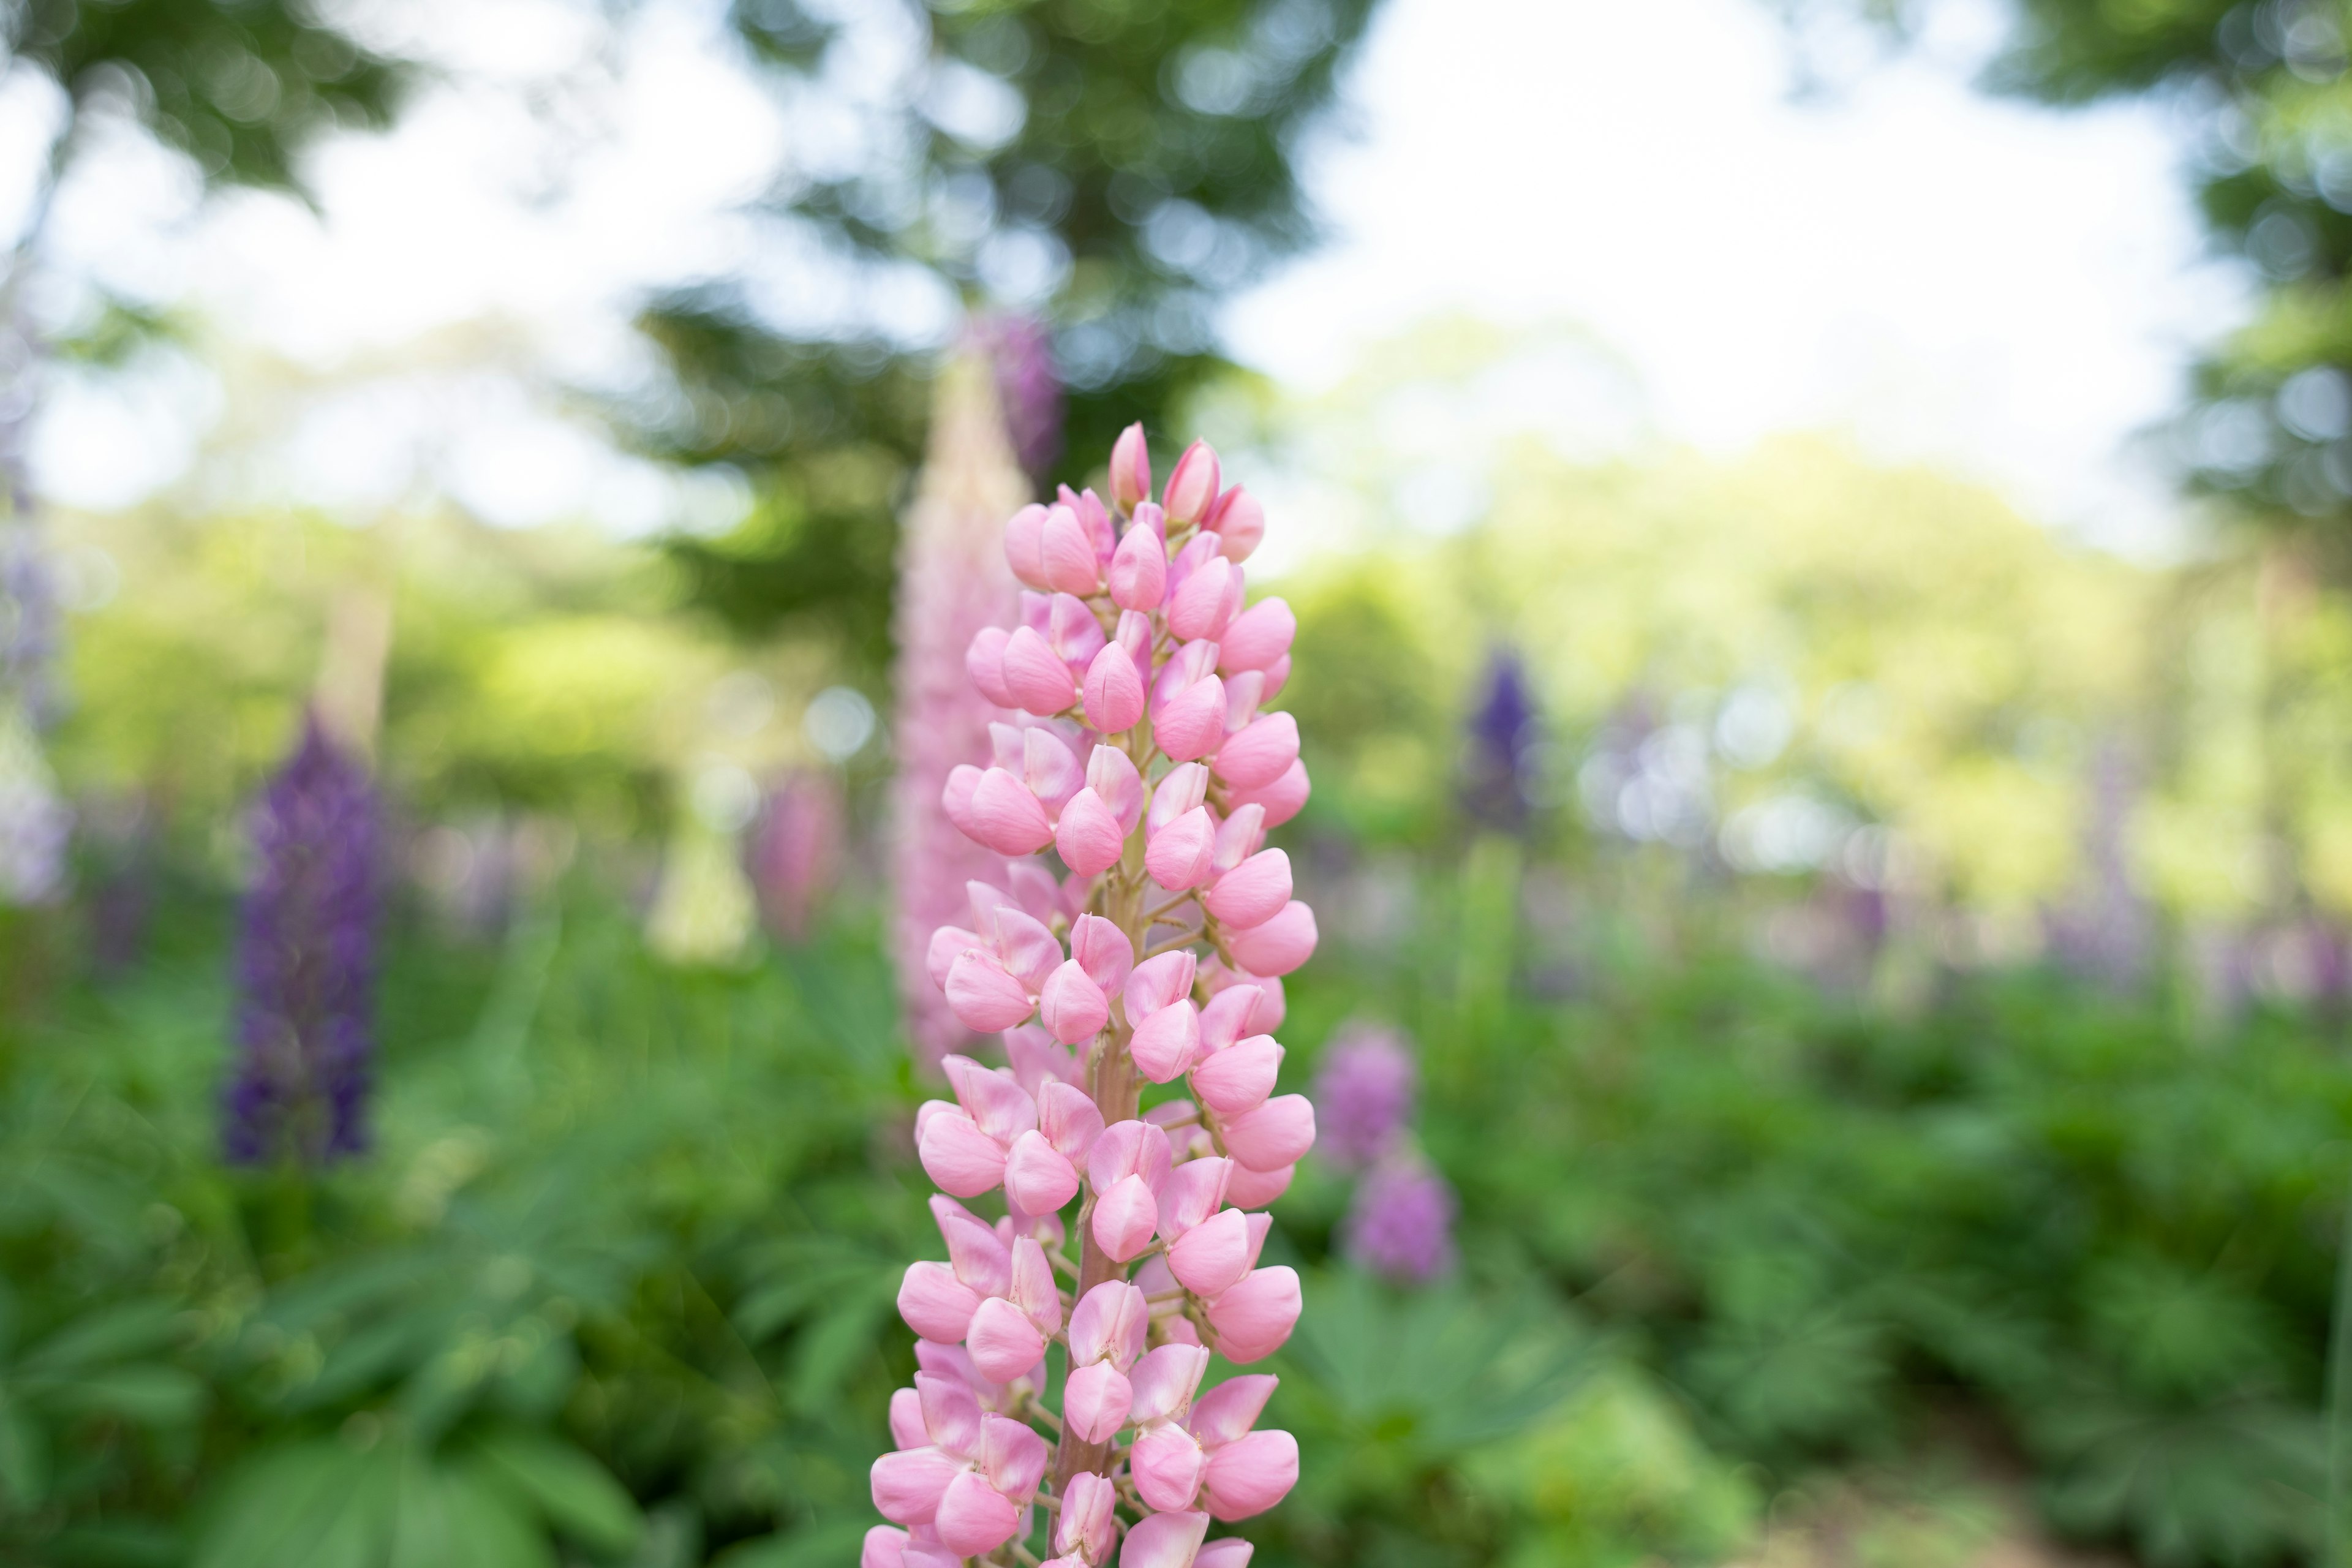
column 571, row 1490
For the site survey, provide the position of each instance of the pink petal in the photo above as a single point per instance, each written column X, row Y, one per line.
column 978, row 1257
column 1191, row 1193
column 947, row 944
column 935, row 1303
column 1069, row 1118
column 1003, row 1343
column 1071, row 631
column 1128, row 1149
column 1108, row 1323
column 1051, row 770
column 1139, row 571
column 1111, row 775
column 1261, row 753
column 1158, row 983
column 1089, row 835
column 1226, row 1017
column 1277, row 676
column 1130, row 470
column 1278, row 945
column 1256, row 1316
column 1177, row 856
column 1073, row 1006
column 1276, row 1133
column 1239, row 835
column 999, row 1107
column 1095, row 1401
column 1282, row 799
column 974, row 1517
column 1236, row 1080
column 984, row 661
column 1034, row 675
column 1179, row 791
column 1191, row 663
column 1067, row 553
column 1192, row 723
column 1103, row 950
column 1232, row 1552
column 1197, row 609
column 959, row 1157
column 1113, row 692
column 950, row 1413
column 908, row 1485
column 1257, row 636
column 1167, row 1464
column 1210, row 1259
column 1165, row 1381
column 1164, row 1541
column 1250, row 1475
column 1027, row 948
column 907, row 1418
column 1240, row 522
column 956, row 798
column 1125, row 1216
column 1090, row 1515
column 1255, row 1189
column 1038, row 1064
column 1163, row 1044
column 1034, row 1291
column 1038, row 1177
column 1192, row 485
column 1006, row 817
column 1012, row 1456
column 1253, row 892
column 884, row 1548
column 1229, row 1409
column 1024, row 537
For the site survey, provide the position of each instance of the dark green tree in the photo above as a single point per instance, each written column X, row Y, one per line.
column 1115, row 165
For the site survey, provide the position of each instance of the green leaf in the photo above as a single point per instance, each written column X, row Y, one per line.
column 809, row 1546
column 452, row 1517
column 151, row 1393
column 575, row 1493
column 113, row 1333
column 23, row 1457
column 306, row 1505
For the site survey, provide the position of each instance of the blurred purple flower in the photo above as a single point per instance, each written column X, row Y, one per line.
column 1022, row 350
column 1503, row 730
column 796, row 851
column 1363, row 1095
column 1402, row 1222
column 306, row 964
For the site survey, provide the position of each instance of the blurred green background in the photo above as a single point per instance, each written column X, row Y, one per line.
column 1883, row 1016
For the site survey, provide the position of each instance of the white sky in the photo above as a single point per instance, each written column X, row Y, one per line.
column 2007, row 290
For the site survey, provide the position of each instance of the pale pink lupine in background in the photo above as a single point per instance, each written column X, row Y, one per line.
column 1136, row 930
column 796, row 851
column 952, row 580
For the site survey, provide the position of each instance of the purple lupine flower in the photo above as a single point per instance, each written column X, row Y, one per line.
column 1502, row 732
column 1402, row 1222
column 1028, row 390
column 795, row 852
column 1363, row 1095
column 306, row 964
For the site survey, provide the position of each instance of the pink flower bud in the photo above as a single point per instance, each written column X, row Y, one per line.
column 1228, row 1411
column 984, row 998
column 908, row 1485
column 1210, row 1259
column 1165, row 1381
column 959, row 1157
column 906, row 1416
column 1024, row 545
column 1167, row 1463
column 1179, row 855
column 1278, row 945
column 1113, row 694
column 1232, row 1552
column 947, row 944
column 1192, row 485
column 1236, row 1080
column 1128, row 1149
column 955, row 799
column 1006, row 817
column 1178, row 792
column 1277, row 676
column 1131, row 470
column 1255, row 1189
column 1253, row 892
column 884, row 1547
column 1206, row 601
column 974, row 1517
column 1239, row 521
column 1191, row 1193
column 1038, row 1177
column 1164, row 1043
column 1193, row 723
column 1165, row 1540
column 1253, row 1318
column 1282, row 799
column 1112, row 776
column 935, row 1303
column 1257, row 636
column 983, row 660
column 1067, row 1117
column 1073, row 1006
column 1003, row 1343
column 1126, row 1214
column 1034, row 675
column 1095, row 1401
column 1139, row 571
column 1012, row 1456
column 1158, row 983
column 1276, row 1133
column 1109, row 1324
column 1088, row 1523
column 1261, row 753
column 1090, row 836
column 1249, row 1475
column 1068, row 555
column 1071, row 631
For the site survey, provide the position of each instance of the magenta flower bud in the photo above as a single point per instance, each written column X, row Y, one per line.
column 1210, row 1259
column 1249, row 1475
column 1089, row 835
column 1073, row 1006
column 1191, row 486
column 1192, row 723
column 1126, row 1214
column 983, row 660
column 1068, row 555
column 975, row 1517
column 1276, row 1133
column 1039, row 1178
column 1088, row 1523
column 1034, row 675
column 1260, row 753
column 1165, row 1540
column 1278, row 945
column 1254, row 1318
column 1238, row 520
column 1003, row 1343
column 1130, row 470
column 1281, row 799
column 935, row 1303
column 1180, row 854
column 1257, row 636
column 1253, row 892
column 1206, row 601
column 1006, row 817
column 1113, row 693
column 1024, row 536
column 1095, row 1401
column 1167, row 1462
column 1236, row 1080
column 1139, row 569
